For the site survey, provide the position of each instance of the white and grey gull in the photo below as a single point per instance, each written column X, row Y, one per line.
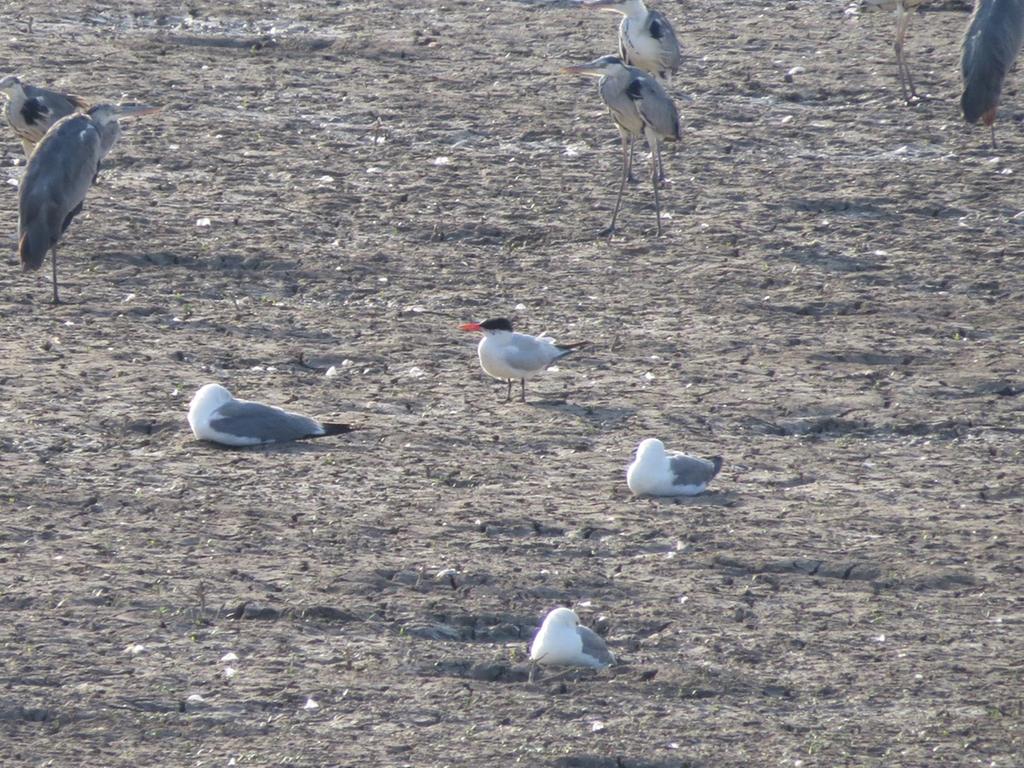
column 563, row 641
column 217, row 416
column 658, row 472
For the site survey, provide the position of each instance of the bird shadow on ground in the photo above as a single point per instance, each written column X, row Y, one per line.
column 585, row 412
column 298, row 446
column 707, row 499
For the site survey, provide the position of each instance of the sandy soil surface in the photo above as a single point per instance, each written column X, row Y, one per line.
column 835, row 307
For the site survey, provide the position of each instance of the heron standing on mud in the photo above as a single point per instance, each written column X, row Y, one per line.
column 60, row 171
column 903, row 10
column 646, row 38
column 31, row 111
column 640, row 107
column 991, row 45
column 646, row 41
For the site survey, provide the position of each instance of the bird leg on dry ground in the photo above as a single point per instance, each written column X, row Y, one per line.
column 53, row 256
column 902, row 68
column 627, row 169
column 655, row 164
column 522, row 393
column 508, row 396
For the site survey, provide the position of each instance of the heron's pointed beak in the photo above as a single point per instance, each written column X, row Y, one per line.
column 135, row 110
column 582, row 69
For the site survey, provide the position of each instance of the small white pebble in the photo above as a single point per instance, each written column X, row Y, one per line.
column 331, row 372
column 311, row 703
column 229, row 656
column 203, row 222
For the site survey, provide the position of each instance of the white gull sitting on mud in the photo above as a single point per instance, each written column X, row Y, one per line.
column 657, row 472
column 562, row 641
column 215, row 415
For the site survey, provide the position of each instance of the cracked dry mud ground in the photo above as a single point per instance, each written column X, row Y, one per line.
column 834, row 307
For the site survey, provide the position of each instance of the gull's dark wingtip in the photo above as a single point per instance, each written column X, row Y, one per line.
column 334, row 428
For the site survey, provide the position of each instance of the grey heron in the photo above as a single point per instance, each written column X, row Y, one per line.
column 903, row 10
column 640, row 107
column 59, row 173
column 646, row 38
column 31, row 111
column 646, row 41
column 505, row 354
column 991, row 45
column 218, row 416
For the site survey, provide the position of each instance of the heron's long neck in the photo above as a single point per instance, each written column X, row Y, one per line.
column 17, row 96
column 636, row 10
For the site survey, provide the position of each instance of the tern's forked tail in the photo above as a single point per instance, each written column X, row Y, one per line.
column 565, row 349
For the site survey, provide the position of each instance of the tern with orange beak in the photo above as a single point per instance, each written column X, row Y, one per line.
column 505, row 354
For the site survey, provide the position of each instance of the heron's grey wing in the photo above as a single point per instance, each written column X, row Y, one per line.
column 690, row 470
column 656, row 108
column 620, row 105
column 991, row 45
column 56, row 180
column 595, row 646
column 661, row 30
column 58, row 104
column 246, row 419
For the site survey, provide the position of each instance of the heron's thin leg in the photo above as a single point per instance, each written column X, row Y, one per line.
column 993, row 135
column 654, row 179
column 627, row 167
column 522, row 394
column 902, row 68
column 53, row 256
column 508, row 396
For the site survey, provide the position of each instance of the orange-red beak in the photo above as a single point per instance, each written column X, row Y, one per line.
column 470, row 327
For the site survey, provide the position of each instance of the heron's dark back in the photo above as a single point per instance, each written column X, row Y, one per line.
column 991, row 44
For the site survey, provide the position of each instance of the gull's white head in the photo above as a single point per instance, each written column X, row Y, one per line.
column 208, row 399
column 651, row 447
column 562, row 617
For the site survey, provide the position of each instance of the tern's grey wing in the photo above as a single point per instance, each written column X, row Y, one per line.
column 57, row 178
column 656, row 108
column 527, row 353
column 595, row 647
column 689, row 470
column 265, row 423
column 661, row 30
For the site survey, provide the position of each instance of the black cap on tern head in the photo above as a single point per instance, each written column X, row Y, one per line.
column 497, row 324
